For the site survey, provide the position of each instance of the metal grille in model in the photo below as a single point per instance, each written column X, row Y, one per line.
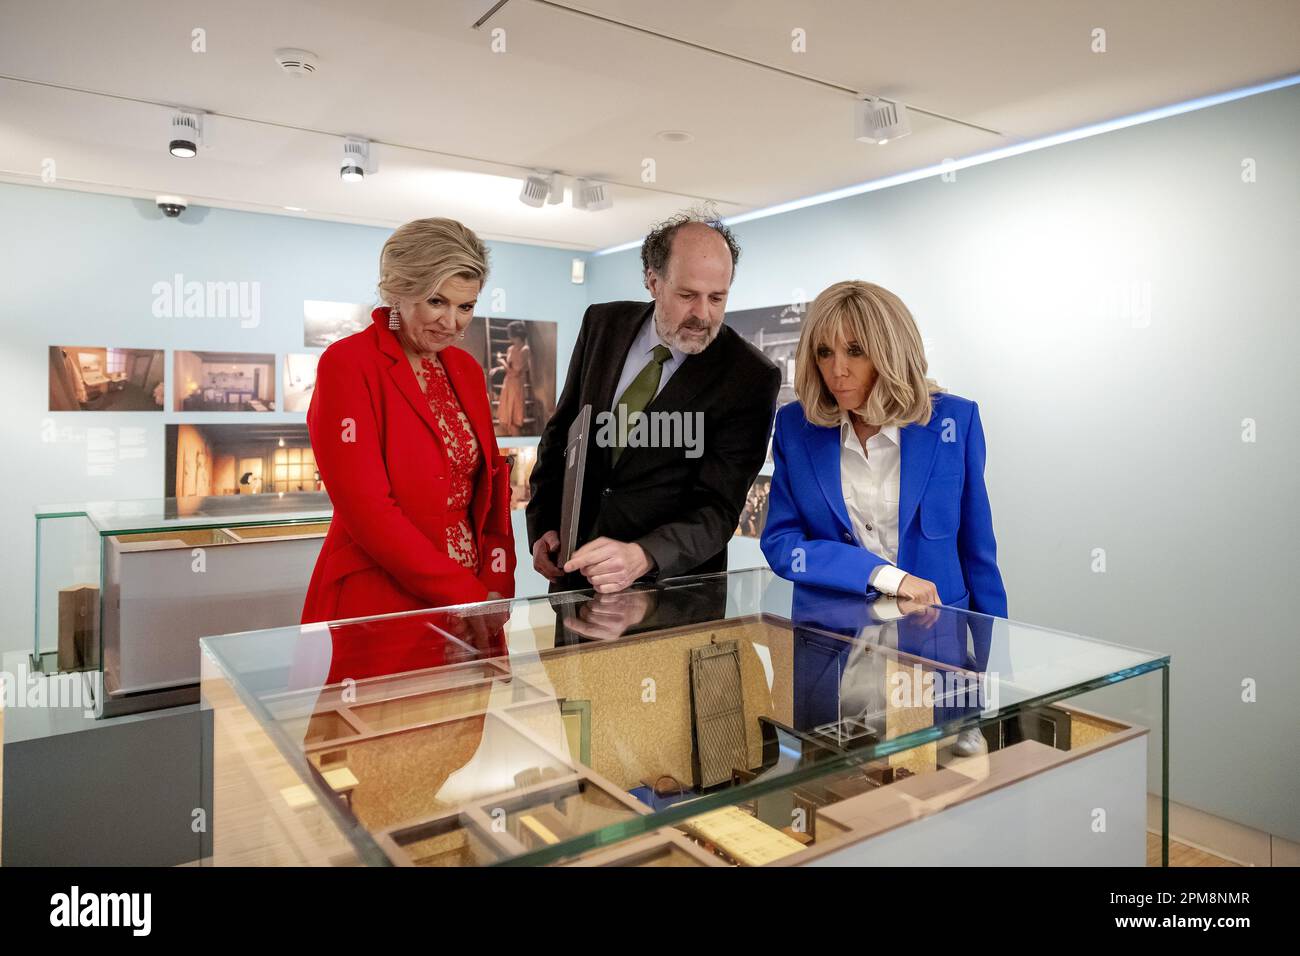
column 717, row 711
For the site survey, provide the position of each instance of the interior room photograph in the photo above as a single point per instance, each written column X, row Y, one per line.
column 206, row 461
column 101, row 379
column 693, row 433
column 224, row 382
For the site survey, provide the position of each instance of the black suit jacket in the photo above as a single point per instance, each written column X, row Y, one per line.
column 681, row 510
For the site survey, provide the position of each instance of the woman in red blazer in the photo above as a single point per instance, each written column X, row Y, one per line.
column 403, row 436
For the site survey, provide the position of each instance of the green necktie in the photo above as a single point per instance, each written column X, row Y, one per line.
column 642, row 388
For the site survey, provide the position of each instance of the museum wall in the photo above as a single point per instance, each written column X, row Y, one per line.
column 1126, row 347
column 1124, row 309
column 79, row 269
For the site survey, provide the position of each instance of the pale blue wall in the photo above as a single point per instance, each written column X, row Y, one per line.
column 78, row 269
column 1103, row 434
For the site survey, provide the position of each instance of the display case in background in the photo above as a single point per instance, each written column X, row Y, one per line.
column 124, row 589
column 728, row 719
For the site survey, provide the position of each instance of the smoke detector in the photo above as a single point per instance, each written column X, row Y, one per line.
column 296, row 62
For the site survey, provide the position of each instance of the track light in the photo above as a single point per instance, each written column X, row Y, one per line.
column 536, row 189
column 186, row 134
column 591, row 195
column 878, row 121
column 357, row 160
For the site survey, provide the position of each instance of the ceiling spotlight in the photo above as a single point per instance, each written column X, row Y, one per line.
column 537, row 188
column 591, row 195
column 356, row 160
column 878, row 121
column 186, row 134
column 556, row 194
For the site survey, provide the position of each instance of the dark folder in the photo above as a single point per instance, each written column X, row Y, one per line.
column 575, row 465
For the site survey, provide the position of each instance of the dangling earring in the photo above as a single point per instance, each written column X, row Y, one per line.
column 394, row 319
column 460, row 334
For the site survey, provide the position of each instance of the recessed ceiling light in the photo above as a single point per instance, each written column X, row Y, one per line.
column 674, row 136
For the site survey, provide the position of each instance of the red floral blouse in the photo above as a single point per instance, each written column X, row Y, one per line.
column 463, row 457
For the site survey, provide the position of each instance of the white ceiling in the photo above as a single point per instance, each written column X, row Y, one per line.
column 577, row 93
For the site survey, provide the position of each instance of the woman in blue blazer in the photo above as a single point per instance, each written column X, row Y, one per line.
column 879, row 475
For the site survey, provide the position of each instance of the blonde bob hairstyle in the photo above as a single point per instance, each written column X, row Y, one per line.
column 423, row 254
column 878, row 321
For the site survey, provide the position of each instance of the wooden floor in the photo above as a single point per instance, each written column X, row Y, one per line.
column 1180, row 854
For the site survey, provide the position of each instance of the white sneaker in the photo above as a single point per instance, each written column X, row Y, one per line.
column 969, row 742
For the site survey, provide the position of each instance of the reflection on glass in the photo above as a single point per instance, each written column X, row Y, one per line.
column 721, row 720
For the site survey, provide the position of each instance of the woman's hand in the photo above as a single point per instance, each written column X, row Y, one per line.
column 918, row 591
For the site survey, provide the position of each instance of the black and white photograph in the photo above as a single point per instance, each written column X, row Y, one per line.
column 324, row 323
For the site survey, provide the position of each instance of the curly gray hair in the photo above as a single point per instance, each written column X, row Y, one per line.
column 658, row 244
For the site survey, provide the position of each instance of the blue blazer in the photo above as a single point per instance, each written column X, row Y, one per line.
column 945, row 527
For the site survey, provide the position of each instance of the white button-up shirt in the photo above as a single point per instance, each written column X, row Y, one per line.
column 639, row 356
column 870, row 482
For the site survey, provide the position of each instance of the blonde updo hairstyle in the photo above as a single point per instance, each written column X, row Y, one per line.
column 881, row 324
column 423, row 254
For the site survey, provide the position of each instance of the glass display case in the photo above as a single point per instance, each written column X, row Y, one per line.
column 723, row 720
column 124, row 589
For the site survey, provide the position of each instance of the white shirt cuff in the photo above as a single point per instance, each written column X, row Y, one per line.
column 886, row 578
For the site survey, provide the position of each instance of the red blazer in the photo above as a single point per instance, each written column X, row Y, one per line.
column 379, row 454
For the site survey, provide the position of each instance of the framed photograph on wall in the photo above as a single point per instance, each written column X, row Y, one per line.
column 774, row 331
column 519, row 362
column 754, row 514
column 324, row 323
column 521, row 459
column 223, row 382
column 94, row 378
column 244, row 459
column 299, row 380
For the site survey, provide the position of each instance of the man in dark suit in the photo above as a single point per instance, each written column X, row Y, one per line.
column 650, row 511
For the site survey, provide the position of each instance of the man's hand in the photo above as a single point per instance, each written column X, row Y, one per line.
column 918, row 590
column 608, row 564
column 607, row 616
column 543, row 562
